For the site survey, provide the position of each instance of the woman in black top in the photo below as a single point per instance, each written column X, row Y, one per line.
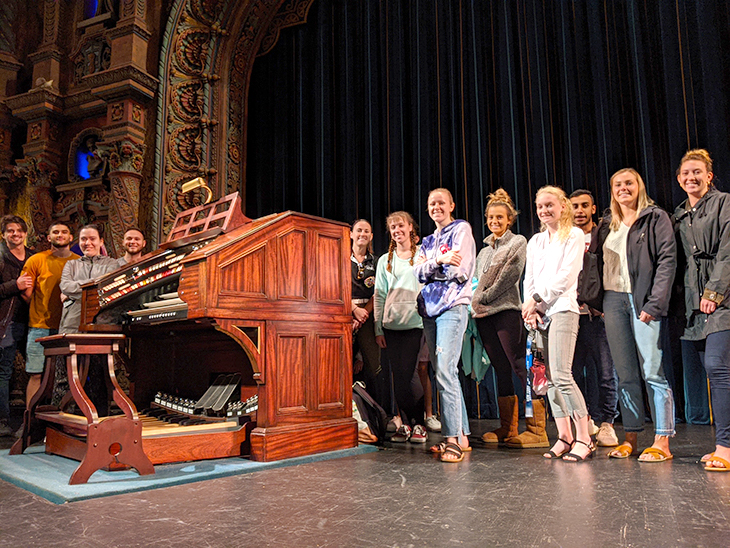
column 703, row 222
column 363, row 264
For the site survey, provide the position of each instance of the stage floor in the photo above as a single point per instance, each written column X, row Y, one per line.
column 401, row 496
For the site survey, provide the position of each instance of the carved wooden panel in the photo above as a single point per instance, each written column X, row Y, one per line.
column 245, row 275
column 292, row 278
column 291, row 360
column 329, row 266
column 330, row 355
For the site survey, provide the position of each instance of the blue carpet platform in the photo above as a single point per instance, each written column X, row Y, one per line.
column 47, row 475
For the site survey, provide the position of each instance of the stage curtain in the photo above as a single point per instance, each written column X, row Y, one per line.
column 370, row 104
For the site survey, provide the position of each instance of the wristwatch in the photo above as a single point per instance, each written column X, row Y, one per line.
column 536, row 297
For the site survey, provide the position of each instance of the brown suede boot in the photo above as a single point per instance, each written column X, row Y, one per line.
column 508, row 416
column 535, row 435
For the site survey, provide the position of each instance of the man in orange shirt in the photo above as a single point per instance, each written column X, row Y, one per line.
column 44, row 298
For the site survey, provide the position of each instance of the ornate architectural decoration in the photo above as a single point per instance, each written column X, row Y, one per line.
column 92, row 55
column 291, row 13
column 124, row 155
column 40, row 177
column 206, row 62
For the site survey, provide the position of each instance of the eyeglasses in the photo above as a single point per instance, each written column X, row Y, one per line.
column 360, row 272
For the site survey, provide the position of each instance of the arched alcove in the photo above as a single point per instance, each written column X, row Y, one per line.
column 207, row 53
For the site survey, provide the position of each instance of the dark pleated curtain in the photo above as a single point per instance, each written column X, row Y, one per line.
column 370, row 104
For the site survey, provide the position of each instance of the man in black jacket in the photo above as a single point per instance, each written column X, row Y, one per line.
column 592, row 365
column 13, row 310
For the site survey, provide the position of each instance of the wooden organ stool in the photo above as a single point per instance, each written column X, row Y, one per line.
column 111, row 442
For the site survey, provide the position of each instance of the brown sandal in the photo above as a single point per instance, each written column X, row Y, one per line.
column 452, row 449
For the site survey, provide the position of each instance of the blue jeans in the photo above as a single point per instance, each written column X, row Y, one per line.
column 696, row 400
column 715, row 360
column 593, row 369
column 636, row 352
column 8, row 348
column 445, row 335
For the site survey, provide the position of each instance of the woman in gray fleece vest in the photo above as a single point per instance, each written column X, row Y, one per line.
column 497, row 307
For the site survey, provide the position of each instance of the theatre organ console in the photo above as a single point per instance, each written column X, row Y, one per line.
column 264, row 302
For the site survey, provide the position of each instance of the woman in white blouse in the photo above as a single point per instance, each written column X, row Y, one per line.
column 554, row 261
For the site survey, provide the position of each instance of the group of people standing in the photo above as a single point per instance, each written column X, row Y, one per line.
column 40, row 296
column 428, row 289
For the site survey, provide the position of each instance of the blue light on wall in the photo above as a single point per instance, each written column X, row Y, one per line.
column 90, row 8
column 82, row 162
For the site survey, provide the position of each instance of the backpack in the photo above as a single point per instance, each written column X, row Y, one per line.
column 590, row 279
column 590, row 282
column 370, row 411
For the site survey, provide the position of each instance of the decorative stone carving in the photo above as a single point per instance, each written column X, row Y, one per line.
column 92, row 55
column 35, row 130
column 124, row 210
column 291, row 13
column 124, row 155
column 41, row 177
column 116, row 112
column 186, row 100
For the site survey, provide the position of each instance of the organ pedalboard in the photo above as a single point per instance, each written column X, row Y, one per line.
column 219, row 403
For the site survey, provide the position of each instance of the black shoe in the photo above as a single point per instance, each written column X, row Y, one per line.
column 573, row 457
column 554, row 455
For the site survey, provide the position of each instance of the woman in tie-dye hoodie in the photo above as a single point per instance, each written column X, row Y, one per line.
column 445, row 264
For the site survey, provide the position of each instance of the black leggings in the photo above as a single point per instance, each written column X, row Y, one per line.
column 504, row 338
column 401, row 357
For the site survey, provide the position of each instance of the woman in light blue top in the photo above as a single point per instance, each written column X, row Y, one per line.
column 398, row 327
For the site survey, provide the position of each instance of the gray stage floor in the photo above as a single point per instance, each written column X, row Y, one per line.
column 401, row 497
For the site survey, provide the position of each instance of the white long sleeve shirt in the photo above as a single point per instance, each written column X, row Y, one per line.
column 552, row 270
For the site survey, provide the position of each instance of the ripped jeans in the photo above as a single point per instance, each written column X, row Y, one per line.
column 636, row 351
column 445, row 336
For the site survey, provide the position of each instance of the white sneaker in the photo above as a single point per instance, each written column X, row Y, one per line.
column 394, row 424
column 433, row 424
column 592, row 428
column 606, row 436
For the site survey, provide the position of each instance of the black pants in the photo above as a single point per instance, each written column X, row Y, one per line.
column 504, row 338
column 400, row 357
column 372, row 373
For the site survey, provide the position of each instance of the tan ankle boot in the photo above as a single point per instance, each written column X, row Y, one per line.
column 535, row 435
column 508, row 416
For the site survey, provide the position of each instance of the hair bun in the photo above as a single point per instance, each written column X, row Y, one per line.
column 499, row 196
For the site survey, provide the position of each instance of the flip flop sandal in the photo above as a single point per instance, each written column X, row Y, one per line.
column 724, row 468
column 452, row 449
column 657, row 453
column 441, row 447
column 554, row 455
column 623, row 451
column 707, row 457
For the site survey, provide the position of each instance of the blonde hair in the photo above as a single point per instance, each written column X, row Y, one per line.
column 448, row 193
column 642, row 203
column 565, row 222
column 412, row 236
column 500, row 198
column 699, row 154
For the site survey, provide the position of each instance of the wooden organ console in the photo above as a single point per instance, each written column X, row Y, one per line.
column 266, row 301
